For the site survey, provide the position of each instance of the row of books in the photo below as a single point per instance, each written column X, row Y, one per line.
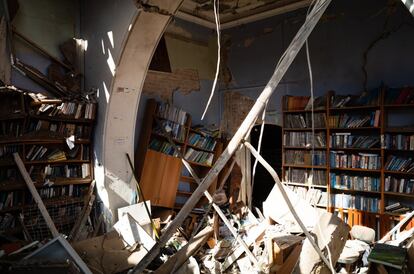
column 6, row 151
column 11, row 128
column 203, row 142
column 38, row 153
column 363, row 183
column 347, row 140
column 176, row 131
column 367, row 98
column 68, row 191
column 67, row 171
column 9, row 174
column 304, row 139
column 395, row 96
column 358, row 202
column 201, row 157
column 10, row 199
column 397, row 163
column 339, row 159
column 399, row 141
column 68, row 109
column 400, row 185
column 304, row 103
column 164, row 147
column 300, row 157
column 207, row 130
column 302, row 176
column 305, row 120
column 169, row 112
column 312, row 196
column 355, row 120
column 397, row 207
column 60, row 128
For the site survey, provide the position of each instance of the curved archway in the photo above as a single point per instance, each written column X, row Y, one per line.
column 121, row 112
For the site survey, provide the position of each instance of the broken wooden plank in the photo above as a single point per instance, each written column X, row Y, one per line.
column 329, row 232
column 35, row 195
column 179, row 258
column 286, row 60
column 397, row 227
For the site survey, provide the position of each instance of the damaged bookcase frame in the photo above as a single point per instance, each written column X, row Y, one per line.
column 283, row 65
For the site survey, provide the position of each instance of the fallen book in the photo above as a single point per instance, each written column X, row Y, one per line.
column 388, row 255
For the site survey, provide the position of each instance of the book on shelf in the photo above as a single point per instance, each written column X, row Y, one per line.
column 358, row 202
column 163, row 147
column 301, row 157
column 67, row 171
column 397, row 208
column 401, row 164
column 6, row 151
column 304, row 139
column 203, row 142
column 389, row 255
column 61, row 191
column 396, row 96
column 399, row 185
column 39, row 152
column 339, row 159
column 318, row 103
column 201, row 157
column 347, row 140
column 11, row 128
column 10, row 199
column 399, row 141
column 362, row 183
column 7, row 221
column 172, row 113
column 176, row 131
column 355, row 120
column 312, row 196
column 302, row 176
column 207, row 130
column 305, row 120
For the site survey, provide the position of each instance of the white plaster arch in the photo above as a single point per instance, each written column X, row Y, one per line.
column 119, row 127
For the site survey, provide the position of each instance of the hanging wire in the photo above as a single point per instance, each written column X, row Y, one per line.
column 218, row 27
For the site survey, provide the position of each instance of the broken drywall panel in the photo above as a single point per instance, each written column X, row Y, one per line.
column 185, row 54
column 139, row 213
column 236, row 106
column 132, row 233
column 163, row 84
column 307, row 213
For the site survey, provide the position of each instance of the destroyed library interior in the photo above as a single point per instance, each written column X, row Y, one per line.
column 206, row 136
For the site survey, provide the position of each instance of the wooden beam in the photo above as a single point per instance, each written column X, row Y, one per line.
column 286, row 60
column 35, row 195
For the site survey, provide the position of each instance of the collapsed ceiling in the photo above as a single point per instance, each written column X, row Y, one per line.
column 236, row 12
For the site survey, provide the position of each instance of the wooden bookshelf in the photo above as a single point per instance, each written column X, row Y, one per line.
column 160, row 169
column 60, row 183
column 379, row 127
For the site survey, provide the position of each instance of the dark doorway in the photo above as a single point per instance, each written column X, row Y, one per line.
column 272, row 152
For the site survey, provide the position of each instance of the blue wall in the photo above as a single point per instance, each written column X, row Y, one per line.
column 336, row 50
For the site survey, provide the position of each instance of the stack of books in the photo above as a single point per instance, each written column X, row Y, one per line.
column 398, row 163
column 301, row 176
column 312, row 196
column 169, row 112
column 203, row 142
column 355, row 202
column 304, row 139
column 399, row 141
column 163, row 147
column 201, row 157
column 397, row 207
column 396, row 96
column 176, row 130
column 347, row 140
column 401, row 185
column 355, row 120
column 344, row 181
column 305, row 120
column 361, row 160
column 300, row 157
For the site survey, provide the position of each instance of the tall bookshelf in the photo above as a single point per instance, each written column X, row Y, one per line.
column 368, row 153
column 59, row 165
column 163, row 178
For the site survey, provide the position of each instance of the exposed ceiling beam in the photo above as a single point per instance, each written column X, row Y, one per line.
column 244, row 20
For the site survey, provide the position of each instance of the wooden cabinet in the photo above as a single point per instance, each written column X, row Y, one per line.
column 159, row 178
